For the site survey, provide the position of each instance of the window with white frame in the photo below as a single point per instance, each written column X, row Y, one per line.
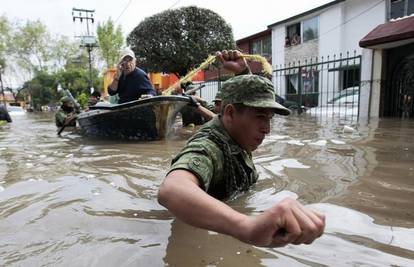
column 293, row 34
column 262, row 47
column 310, row 29
column 401, row 8
column 303, row 31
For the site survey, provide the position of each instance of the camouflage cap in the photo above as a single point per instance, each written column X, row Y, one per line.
column 218, row 96
column 253, row 91
column 65, row 99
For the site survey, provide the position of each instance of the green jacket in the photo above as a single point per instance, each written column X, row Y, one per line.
column 60, row 117
column 222, row 167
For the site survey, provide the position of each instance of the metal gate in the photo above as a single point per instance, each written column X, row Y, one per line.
column 322, row 86
column 402, row 89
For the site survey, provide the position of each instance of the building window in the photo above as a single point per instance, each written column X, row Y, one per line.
column 351, row 77
column 292, row 84
column 262, row 47
column 310, row 79
column 310, row 29
column 401, row 8
column 293, row 35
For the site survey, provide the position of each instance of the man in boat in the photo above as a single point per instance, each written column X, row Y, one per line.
column 191, row 114
column 130, row 82
column 217, row 104
column 216, row 164
column 66, row 115
column 94, row 98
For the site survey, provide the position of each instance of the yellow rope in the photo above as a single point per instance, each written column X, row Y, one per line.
column 267, row 69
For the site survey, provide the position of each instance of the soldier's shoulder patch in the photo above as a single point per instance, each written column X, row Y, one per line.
column 198, row 164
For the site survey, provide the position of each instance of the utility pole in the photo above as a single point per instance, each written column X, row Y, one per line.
column 88, row 40
column 2, row 89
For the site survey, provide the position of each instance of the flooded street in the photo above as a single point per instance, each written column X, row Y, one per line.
column 72, row 201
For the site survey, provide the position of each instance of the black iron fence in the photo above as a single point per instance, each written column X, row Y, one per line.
column 327, row 86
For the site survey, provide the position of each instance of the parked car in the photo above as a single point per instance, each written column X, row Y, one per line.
column 343, row 103
column 347, row 96
column 16, row 110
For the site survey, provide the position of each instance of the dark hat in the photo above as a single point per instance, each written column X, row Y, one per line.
column 253, row 91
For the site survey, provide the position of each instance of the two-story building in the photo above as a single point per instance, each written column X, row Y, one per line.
column 317, row 55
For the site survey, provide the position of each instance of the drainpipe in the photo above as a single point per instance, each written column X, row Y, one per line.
column 371, row 85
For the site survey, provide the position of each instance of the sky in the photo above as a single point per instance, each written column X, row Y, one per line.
column 245, row 17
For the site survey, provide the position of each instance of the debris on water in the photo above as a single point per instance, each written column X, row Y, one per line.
column 319, row 143
column 96, row 192
column 338, row 142
column 295, row 142
column 348, row 129
column 135, row 214
column 238, row 252
column 112, row 183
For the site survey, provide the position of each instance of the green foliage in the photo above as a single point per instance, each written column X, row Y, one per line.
column 110, row 42
column 34, row 49
column 5, row 30
column 175, row 41
column 42, row 88
column 44, row 61
column 82, row 99
column 62, row 52
column 31, row 45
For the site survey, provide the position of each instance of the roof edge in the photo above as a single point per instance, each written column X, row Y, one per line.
column 255, row 35
column 306, row 12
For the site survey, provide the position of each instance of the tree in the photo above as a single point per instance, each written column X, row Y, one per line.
column 32, row 46
column 62, row 51
column 175, row 41
column 42, row 89
column 5, row 31
column 110, row 42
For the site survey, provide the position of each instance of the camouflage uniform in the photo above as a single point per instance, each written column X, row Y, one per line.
column 61, row 114
column 220, row 164
column 212, row 107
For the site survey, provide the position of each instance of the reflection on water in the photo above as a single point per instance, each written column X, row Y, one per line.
column 71, row 201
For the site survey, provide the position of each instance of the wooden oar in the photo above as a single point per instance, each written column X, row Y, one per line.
column 66, row 124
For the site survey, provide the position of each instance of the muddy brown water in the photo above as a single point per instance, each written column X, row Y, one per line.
column 72, row 201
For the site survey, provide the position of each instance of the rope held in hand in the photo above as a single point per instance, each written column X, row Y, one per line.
column 267, row 69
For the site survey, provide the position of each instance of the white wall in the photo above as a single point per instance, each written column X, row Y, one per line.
column 342, row 26
column 278, row 45
column 330, row 35
column 361, row 17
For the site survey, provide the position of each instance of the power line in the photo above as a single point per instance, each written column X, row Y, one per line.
column 176, row 3
column 352, row 18
column 341, row 24
column 125, row 8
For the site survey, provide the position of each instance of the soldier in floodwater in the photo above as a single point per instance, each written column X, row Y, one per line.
column 216, row 164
